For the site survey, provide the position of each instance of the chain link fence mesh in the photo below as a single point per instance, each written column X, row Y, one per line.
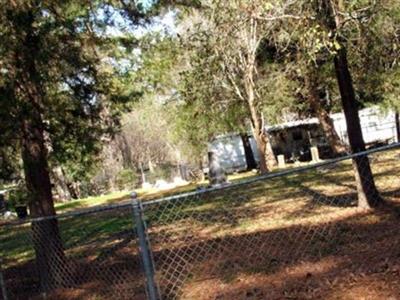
column 90, row 256
column 299, row 235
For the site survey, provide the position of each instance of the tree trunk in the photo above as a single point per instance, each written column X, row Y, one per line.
column 46, row 237
column 266, row 154
column 142, row 174
column 269, row 153
column 337, row 146
column 267, row 157
column 151, row 167
column 397, row 120
column 73, row 189
column 368, row 195
column 248, row 152
column 201, row 167
column 60, row 184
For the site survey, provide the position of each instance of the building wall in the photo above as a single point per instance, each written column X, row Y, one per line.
column 376, row 125
column 230, row 152
column 294, row 138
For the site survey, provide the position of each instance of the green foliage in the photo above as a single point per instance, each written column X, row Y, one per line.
column 54, row 62
column 205, row 107
column 9, row 163
column 18, row 196
column 57, row 59
column 163, row 171
column 126, row 179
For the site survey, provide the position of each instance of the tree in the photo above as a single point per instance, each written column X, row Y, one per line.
column 202, row 108
column 311, row 82
column 374, row 58
column 298, row 47
column 57, row 100
column 368, row 195
column 324, row 27
column 230, row 40
column 143, row 142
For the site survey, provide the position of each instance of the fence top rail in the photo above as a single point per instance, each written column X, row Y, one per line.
column 76, row 213
column 274, row 175
column 128, row 203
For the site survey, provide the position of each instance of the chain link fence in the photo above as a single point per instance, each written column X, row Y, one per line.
column 296, row 234
column 85, row 255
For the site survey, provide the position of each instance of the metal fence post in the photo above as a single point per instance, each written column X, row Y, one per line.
column 145, row 251
column 2, row 282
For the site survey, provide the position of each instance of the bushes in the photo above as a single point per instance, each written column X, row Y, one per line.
column 126, row 179
column 18, row 200
column 162, row 171
column 18, row 196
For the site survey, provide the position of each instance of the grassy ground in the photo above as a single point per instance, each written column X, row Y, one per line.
column 147, row 194
column 143, row 194
column 295, row 237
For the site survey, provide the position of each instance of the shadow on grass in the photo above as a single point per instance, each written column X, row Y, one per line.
column 192, row 262
column 285, row 261
column 301, row 261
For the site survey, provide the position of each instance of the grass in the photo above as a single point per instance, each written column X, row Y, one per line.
column 143, row 194
column 119, row 196
column 305, row 221
column 91, row 201
column 148, row 193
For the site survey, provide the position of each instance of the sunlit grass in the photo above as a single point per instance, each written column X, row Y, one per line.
column 143, row 194
column 92, row 201
column 269, row 204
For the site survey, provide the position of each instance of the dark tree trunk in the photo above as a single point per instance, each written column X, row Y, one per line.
column 368, row 195
column 248, row 152
column 46, row 237
column 201, row 167
column 337, row 146
column 397, row 120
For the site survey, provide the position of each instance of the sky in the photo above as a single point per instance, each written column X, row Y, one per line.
column 163, row 24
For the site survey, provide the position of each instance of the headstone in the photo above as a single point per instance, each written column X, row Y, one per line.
column 314, row 154
column 160, row 183
column 8, row 215
column 146, row 185
column 163, row 185
column 178, row 181
column 281, row 161
column 216, row 174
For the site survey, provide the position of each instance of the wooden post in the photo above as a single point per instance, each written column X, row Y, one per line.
column 314, row 154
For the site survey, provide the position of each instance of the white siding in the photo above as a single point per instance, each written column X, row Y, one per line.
column 376, row 125
column 230, row 152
